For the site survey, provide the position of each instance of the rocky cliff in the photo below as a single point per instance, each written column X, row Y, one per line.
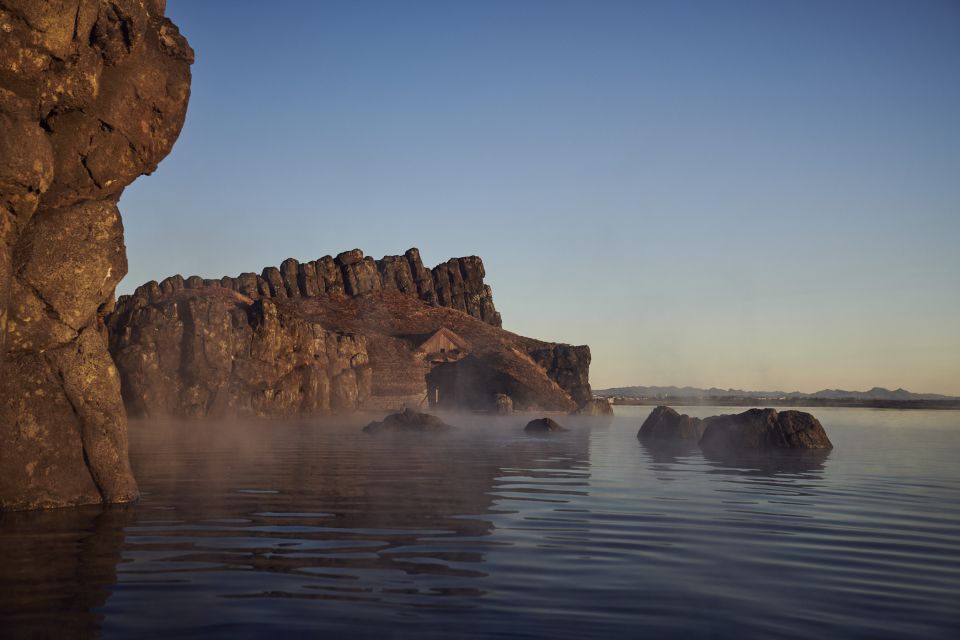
column 332, row 335
column 92, row 95
column 457, row 283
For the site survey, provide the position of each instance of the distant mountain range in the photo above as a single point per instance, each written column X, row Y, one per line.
column 877, row 393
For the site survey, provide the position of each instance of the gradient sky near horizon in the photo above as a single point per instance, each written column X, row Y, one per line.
column 761, row 195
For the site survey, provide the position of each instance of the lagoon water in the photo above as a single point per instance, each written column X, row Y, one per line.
column 303, row 529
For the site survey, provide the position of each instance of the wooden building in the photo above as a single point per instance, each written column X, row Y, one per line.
column 444, row 346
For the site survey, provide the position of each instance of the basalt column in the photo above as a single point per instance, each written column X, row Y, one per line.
column 93, row 93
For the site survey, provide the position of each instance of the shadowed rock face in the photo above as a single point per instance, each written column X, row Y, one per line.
column 92, row 95
column 221, row 354
column 763, row 430
column 665, row 424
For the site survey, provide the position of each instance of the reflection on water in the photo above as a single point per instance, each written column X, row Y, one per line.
column 770, row 463
column 306, row 529
column 57, row 568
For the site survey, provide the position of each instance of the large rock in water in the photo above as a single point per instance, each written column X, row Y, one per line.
column 664, row 424
column 408, row 421
column 762, row 430
column 93, row 93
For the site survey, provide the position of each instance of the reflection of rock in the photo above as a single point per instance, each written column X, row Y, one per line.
column 92, row 95
column 769, row 463
column 59, row 567
column 763, row 430
column 665, row 424
column 669, row 451
column 543, row 425
column 347, row 506
column 408, row 421
column 595, row 407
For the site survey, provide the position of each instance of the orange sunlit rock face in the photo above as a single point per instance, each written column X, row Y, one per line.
column 93, row 94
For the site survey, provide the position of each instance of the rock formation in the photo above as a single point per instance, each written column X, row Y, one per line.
column 456, row 284
column 756, row 430
column 763, row 430
column 332, row 335
column 502, row 404
column 665, row 424
column 543, row 425
column 408, row 421
column 219, row 353
column 569, row 366
column 92, row 95
column 595, row 407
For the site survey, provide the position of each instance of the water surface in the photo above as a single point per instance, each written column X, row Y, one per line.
column 290, row 529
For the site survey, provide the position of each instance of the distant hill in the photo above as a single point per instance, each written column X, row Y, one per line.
column 876, row 393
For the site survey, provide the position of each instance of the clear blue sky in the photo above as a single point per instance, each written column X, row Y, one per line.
column 746, row 194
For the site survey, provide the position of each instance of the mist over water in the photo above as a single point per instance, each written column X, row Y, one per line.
column 302, row 528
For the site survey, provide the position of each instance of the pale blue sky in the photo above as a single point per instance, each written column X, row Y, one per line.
column 747, row 194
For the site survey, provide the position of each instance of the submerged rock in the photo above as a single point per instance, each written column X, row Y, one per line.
column 408, row 421
column 763, row 429
column 664, row 424
column 543, row 425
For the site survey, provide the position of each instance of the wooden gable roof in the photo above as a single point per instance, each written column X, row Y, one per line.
column 442, row 338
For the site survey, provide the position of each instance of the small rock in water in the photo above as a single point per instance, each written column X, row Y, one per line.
column 594, row 407
column 408, row 421
column 665, row 424
column 543, row 425
column 763, row 429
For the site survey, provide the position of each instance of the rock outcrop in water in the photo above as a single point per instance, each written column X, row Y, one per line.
column 334, row 335
column 92, row 95
column 763, row 430
column 756, row 430
column 408, row 421
column 664, row 424
column 595, row 407
column 544, row 426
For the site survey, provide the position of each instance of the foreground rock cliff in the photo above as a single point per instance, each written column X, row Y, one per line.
column 92, row 95
column 334, row 335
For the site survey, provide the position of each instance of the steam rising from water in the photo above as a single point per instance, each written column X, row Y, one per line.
column 308, row 527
